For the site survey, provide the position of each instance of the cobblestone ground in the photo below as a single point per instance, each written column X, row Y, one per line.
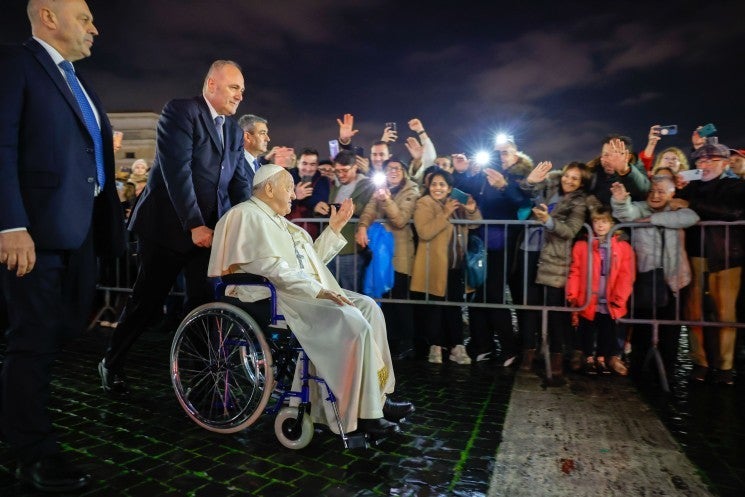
column 145, row 445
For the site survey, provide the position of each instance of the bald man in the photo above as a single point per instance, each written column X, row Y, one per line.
column 58, row 208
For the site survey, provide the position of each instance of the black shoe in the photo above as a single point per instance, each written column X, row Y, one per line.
column 377, row 427
column 396, row 411
column 721, row 377
column 52, row 474
column 112, row 382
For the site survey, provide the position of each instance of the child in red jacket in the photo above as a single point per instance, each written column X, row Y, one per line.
column 613, row 273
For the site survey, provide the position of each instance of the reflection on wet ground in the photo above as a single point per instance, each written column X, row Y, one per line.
column 145, row 444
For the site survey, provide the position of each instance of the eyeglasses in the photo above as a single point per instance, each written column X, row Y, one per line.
column 393, row 169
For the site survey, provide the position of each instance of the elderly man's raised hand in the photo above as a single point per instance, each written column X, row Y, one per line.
column 17, row 252
column 339, row 218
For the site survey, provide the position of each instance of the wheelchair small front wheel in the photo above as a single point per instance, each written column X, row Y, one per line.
column 290, row 433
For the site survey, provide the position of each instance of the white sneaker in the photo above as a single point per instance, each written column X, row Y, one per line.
column 458, row 354
column 435, row 354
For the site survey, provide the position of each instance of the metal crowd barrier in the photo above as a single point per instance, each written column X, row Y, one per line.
column 118, row 275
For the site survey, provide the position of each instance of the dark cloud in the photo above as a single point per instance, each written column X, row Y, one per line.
column 558, row 76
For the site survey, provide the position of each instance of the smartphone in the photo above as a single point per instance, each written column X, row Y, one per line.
column 707, row 130
column 333, row 148
column 691, row 174
column 671, row 129
column 459, row 195
column 392, row 126
column 359, row 151
column 306, row 179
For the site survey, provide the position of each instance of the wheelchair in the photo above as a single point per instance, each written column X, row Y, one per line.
column 226, row 372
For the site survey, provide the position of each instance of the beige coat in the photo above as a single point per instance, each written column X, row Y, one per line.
column 397, row 212
column 436, row 240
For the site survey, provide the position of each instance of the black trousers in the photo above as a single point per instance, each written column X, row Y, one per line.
column 159, row 267
column 485, row 322
column 399, row 318
column 47, row 308
column 441, row 324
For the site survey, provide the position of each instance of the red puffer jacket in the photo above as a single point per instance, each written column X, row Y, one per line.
column 619, row 283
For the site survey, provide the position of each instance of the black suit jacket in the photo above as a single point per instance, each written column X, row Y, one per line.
column 47, row 163
column 194, row 179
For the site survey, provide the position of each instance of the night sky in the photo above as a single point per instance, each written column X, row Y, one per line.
column 556, row 75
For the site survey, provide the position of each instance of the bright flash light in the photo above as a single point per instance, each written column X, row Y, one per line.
column 482, row 158
column 502, row 138
column 379, row 179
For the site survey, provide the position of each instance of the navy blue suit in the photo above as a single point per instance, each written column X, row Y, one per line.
column 48, row 177
column 194, row 180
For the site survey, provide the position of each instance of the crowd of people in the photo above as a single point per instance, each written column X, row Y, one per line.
column 543, row 263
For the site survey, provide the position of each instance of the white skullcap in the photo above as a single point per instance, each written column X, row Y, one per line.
column 266, row 171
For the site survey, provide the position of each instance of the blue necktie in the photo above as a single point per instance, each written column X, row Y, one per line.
column 257, row 165
column 89, row 118
column 219, row 120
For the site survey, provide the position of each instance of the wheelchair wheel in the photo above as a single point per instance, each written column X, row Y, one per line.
column 289, row 433
column 221, row 368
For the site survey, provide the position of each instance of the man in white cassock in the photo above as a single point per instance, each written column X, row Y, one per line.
column 342, row 332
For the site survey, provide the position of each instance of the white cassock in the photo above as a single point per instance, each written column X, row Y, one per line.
column 347, row 345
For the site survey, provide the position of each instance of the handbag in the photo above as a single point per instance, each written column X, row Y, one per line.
column 475, row 261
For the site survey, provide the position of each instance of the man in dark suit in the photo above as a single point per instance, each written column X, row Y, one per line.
column 198, row 174
column 58, row 208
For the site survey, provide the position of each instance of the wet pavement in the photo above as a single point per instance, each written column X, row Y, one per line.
column 146, row 445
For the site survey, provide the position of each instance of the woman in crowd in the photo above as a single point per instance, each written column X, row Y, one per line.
column 560, row 205
column 438, row 272
column 394, row 202
column 671, row 157
column 135, row 184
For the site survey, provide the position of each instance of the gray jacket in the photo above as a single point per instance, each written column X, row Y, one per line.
column 648, row 241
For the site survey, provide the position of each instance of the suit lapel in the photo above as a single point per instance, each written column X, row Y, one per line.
column 209, row 124
column 54, row 73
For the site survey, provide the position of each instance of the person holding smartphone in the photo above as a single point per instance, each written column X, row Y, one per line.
column 438, row 272
column 393, row 201
column 545, row 251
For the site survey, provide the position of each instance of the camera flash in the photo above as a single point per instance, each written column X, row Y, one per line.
column 379, row 179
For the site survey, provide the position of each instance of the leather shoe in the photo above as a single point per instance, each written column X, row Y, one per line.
column 111, row 382
column 379, row 427
column 52, row 474
column 396, row 411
